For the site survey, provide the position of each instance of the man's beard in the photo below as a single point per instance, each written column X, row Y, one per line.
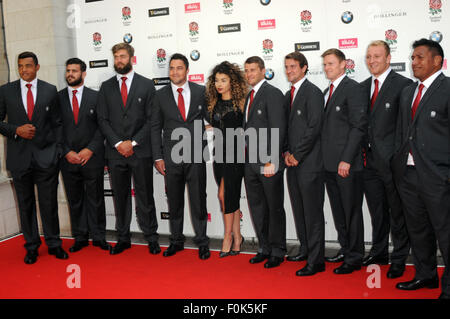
column 75, row 82
column 126, row 69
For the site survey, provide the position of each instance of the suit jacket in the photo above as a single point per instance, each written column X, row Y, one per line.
column 86, row 133
column 131, row 122
column 383, row 119
column 167, row 117
column 344, row 126
column 266, row 112
column 305, row 119
column 45, row 147
column 428, row 135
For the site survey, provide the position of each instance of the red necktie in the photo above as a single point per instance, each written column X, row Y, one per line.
column 292, row 94
column 251, row 100
column 416, row 101
column 124, row 91
column 181, row 104
column 330, row 92
column 30, row 102
column 374, row 95
column 75, row 106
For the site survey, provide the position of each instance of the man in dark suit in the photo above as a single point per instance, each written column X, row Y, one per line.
column 304, row 105
column 421, row 165
column 124, row 110
column 84, row 158
column 383, row 90
column 178, row 113
column 34, row 135
column 265, row 128
column 344, row 128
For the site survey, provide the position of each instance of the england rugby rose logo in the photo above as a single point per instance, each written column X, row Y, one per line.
column 227, row 4
column 349, row 66
column 305, row 17
column 391, row 36
column 126, row 13
column 267, row 46
column 435, row 6
column 161, row 55
column 97, row 38
column 193, row 29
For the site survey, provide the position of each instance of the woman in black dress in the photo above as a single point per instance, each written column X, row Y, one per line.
column 226, row 91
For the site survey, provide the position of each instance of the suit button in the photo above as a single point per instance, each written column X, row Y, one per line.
column 125, row 116
column 411, row 138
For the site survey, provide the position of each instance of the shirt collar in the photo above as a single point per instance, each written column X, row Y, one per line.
column 299, row 83
column 258, row 86
column 338, row 81
column 33, row 83
column 129, row 76
column 382, row 77
column 427, row 83
column 185, row 87
column 79, row 90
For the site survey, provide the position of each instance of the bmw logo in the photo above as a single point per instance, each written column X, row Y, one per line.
column 265, row 2
column 127, row 38
column 347, row 17
column 269, row 74
column 195, row 55
column 436, row 36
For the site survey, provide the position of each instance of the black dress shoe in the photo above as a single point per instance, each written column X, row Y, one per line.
column 369, row 260
column 31, row 257
column 78, row 245
column 310, row 270
column 346, row 269
column 58, row 252
column 273, row 262
column 299, row 257
column 335, row 259
column 444, row 296
column 395, row 271
column 154, row 248
column 102, row 244
column 225, row 254
column 172, row 250
column 259, row 258
column 203, row 252
column 418, row 283
column 119, row 247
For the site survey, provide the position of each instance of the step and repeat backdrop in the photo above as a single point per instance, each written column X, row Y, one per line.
column 211, row 31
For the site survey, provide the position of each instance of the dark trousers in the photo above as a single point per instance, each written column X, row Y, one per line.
column 307, row 191
column 386, row 214
column 346, row 198
column 265, row 197
column 177, row 176
column 426, row 200
column 85, row 194
column 141, row 170
column 46, row 181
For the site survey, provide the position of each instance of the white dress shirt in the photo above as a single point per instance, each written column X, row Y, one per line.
column 297, row 86
column 128, row 81
column 381, row 78
column 335, row 86
column 186, row 93
column 24, row 91
column 256, row 89
column 79, row 95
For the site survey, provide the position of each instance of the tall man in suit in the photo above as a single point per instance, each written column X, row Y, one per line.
column 84, row 158
column 304, row 105
column 383, row 90
column 180, row 107
column 34, row 134
column 265, row 118
column 124, row 110
column 421, row 165
column 344, row 128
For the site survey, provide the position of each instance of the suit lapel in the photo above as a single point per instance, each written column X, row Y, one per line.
column 297, row 98
column 132, row 91
column 19, row 98
column 171, row 99
column 336, row 93
column 68, row 106
column 384, row 88
column 192, row 103
column 37, row 105
column 436, row 83
column 83, row 105
column 256, row 98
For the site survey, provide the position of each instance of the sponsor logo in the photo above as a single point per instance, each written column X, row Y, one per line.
column 192, row 7
column 197, row 78
column 97, row 39
column 126, row 13
column 161, row 55
column 161, row 81
column 265, row 2
column 159, row 36
column 165, row 215
column 195, row 55
column 390, row 14
column 398, row 67
column 269, row 75
column 349, row 66
column 435, row 7
column 228, row 6
column 96, row 20
column 347, row 17
column 307, row 46
column 436, row 36
column 444, row 65
column 391, row 37
column 266, row 24
column 98, row 64
column 193, row 29
column 306, row 20
column 267, row 46
column 158, row 12
column 225, row 28
column 350, row 43
column 230, row 53
column 127, row 38
column 209, row 217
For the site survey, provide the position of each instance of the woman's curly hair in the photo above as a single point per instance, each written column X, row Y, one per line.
column 239, row 88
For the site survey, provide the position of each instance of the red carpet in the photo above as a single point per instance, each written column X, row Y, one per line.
column 137, row 274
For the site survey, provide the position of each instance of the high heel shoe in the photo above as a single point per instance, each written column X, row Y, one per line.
column 224, row 254
column 237, row 252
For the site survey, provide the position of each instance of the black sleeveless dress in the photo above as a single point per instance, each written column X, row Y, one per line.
column 225, row 116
